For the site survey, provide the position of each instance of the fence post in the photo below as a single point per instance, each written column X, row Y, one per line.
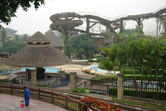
column 79, row 106
column 39, row 93
column 72, row 80
column 108, row 90
column 66, row 101
column 33, row 77
column 11, row 90
column 52, row 96
column 120, row 85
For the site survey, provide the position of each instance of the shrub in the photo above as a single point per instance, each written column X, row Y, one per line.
column 90, row 60
column 80, row 90
column 145, row 94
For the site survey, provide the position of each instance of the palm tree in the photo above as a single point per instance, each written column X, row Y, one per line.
column 111, row 52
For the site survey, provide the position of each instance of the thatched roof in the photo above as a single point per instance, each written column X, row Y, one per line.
column 55, row 40
column 41, row 55
column 38, row 37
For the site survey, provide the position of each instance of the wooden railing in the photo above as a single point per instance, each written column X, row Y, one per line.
column 46, row 95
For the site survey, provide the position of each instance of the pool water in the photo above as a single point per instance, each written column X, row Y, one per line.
column 48, row 69
column 95, row 67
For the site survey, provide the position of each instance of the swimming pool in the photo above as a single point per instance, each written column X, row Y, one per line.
column 95, row 67
column 47, row 69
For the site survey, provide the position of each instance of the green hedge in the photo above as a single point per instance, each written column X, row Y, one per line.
column 146, row 94
column 137, row 70
column 159, row 78
column 143, row 94
column 112, row 91
column 130, row 72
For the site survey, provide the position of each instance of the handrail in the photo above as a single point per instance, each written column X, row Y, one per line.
column 46, row 95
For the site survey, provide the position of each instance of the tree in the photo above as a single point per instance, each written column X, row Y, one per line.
column 2, row 36
column 80, row 46
column 112, row 55
column 8, row 8
column 106, row 65
column 12, row 46
column 131, row 33
column 20, row 38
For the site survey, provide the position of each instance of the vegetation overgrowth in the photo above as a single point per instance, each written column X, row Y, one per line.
column 136, row 54
column 80, row 47
column 8, row 8
column 11, row 44
column 139, row 57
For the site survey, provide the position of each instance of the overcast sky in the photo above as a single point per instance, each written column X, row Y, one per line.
column 38, row 20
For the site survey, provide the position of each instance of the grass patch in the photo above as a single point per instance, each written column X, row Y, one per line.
column 149, row 105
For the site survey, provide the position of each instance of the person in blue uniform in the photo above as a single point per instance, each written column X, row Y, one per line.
column 26, row 96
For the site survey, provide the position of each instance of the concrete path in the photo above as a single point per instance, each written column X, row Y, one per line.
column 12, row 103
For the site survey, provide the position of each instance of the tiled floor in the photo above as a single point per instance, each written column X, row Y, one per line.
column 12, row 103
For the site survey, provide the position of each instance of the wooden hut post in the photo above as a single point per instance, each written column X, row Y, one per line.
column 33, row 77
column 72, row 80
column 120, row 86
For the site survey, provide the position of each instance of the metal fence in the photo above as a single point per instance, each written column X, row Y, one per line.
column 145, row 89
column 98, row 86
column 148, row 88
column 46, row 95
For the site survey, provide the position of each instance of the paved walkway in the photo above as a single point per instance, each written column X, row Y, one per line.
column 12, row 103
column 74, row 68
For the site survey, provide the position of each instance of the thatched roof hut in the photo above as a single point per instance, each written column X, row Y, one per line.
column 38, row 37
column 56, row 41
column 38, row 53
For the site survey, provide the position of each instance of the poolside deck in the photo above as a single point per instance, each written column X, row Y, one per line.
column 12, row 103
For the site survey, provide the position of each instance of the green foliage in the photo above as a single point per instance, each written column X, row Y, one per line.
column 4, row 81
column 106, row 65
column 98, row 57
column 20, row 38
column 90, row 60
column 146, row 53
column 80, row 47
column 12, row 46
column 2, row 35
column 146, row 94
column 112, row 91
column 80, row 90
column 8, row 8
column 130, row 33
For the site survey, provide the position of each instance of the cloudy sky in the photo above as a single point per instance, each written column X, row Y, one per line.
column 38, row 20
